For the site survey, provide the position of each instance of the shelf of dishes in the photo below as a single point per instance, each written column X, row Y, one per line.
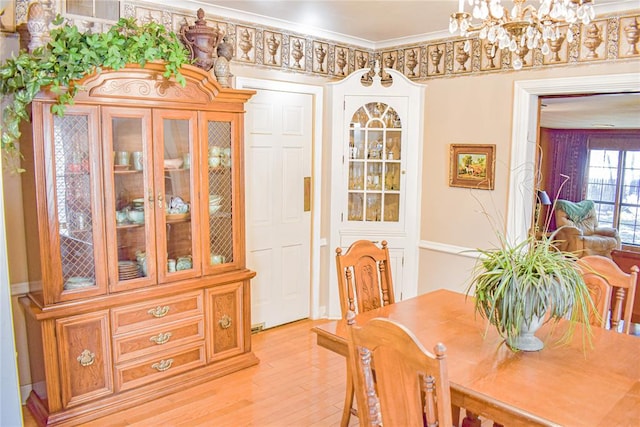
column 126, row 161
column 77, row 282
column 374, row 176
column 177, row 210
column 129, row 269
column 373, row 207
column 216, row 164
column 133, row 161
column 375, row 144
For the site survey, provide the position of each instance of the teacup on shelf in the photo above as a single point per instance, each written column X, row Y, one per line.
column 214, row 161
column 184, row 263
column 122, row 217
column 216, row 259
column 214, row 151
column 138, row 203
column 136, row 216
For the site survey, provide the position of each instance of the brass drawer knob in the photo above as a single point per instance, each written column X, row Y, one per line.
column 225, row 322
column 160, row 338
column 163, row 365
column 159, row 311
column 86, row 358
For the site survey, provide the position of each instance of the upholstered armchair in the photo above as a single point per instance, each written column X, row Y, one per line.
column 578, row 231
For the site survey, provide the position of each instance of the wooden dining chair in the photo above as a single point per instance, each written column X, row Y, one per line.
column 365, row 283
column 364, row 277
column 612, row 291
column 410, row 386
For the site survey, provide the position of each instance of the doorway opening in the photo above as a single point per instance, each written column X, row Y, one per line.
column 524, row 139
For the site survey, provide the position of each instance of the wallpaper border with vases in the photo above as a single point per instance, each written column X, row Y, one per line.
column 606, row 39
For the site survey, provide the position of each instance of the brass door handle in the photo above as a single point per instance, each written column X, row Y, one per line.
column 307, row 193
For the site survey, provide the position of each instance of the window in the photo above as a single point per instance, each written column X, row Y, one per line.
column 102, row 9
column 613, row 183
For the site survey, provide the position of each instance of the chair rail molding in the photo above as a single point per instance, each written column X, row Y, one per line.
column 448, row 249
column 525, row 131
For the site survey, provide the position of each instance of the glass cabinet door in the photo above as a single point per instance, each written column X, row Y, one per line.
column 76, row 175
column 175, row 194
column 374, row 171
column 219, row 248
column 128, row 197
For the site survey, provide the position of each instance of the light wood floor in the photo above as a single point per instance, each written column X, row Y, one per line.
column 296, row 383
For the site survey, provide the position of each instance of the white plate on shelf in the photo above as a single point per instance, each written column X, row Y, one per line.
column 78, row 283
column 173, row 163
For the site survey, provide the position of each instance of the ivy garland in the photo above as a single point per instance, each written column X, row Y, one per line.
column 71, row 55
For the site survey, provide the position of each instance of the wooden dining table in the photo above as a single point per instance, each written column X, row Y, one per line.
column 583, row 382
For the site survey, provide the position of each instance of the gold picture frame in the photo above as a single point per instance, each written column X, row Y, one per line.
column 472, row 166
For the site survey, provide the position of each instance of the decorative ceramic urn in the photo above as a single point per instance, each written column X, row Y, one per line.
column 201, row 41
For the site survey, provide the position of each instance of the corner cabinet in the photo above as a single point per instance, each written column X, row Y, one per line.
column 135, row 233
column 376, row 154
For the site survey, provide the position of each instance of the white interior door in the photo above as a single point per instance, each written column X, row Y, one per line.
column 278, row 141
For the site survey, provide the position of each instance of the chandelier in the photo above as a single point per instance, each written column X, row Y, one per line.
column 524, row 28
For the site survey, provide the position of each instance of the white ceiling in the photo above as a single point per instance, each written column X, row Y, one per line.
column 378, row 23
column 613, row 111
column 389, row 23
column 370, row 22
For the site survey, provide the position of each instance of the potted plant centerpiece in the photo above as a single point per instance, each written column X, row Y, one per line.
column 518, row 287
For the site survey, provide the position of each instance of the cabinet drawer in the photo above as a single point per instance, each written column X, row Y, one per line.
column 161, row 338
column 156, row 312
column 140, row 372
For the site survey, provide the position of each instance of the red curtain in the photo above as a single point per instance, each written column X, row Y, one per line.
column 566, row 153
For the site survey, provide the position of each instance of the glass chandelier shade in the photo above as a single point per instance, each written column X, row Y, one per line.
column 525, row 27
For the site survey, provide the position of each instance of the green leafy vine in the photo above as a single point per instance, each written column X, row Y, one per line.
column 71, row 55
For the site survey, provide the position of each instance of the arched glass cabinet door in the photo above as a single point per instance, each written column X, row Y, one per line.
column 375, row 158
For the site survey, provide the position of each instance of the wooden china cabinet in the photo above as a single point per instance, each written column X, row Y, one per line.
column 135, row 230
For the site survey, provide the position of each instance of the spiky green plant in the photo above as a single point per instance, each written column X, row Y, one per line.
column 515, row 283
column 71, row 55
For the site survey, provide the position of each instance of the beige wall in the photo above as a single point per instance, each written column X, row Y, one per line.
column 478, row 110
column 15, row 240
column 469, row 109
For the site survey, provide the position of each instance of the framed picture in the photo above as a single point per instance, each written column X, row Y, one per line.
column 472, row 166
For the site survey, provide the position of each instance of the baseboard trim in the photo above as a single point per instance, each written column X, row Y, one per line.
column 24, row 393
